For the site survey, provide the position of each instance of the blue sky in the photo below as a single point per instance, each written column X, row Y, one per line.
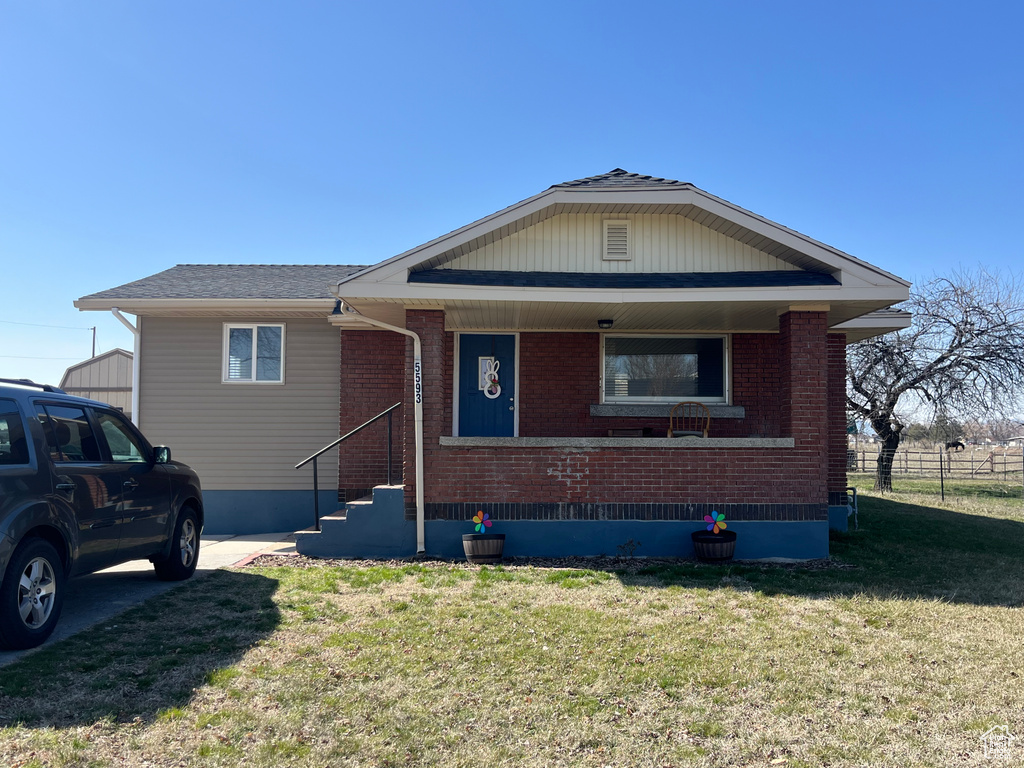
column 135, row 136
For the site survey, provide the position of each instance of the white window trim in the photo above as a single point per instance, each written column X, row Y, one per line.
column 225, row 353
column 726, row 398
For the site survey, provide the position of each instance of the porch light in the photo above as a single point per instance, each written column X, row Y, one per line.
column 605, row 324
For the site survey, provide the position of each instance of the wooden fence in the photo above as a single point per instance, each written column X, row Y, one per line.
column 924, row 463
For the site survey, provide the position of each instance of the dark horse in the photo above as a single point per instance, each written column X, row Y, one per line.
column 956, row 445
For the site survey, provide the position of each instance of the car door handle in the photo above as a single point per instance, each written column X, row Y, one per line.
column 103, row 524
column 131, row 485
column 65, row 486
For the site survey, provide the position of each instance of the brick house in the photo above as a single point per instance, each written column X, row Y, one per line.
column 537, row 353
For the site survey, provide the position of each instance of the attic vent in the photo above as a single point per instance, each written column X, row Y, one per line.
column 616, row 241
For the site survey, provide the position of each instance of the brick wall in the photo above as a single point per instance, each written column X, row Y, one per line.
column 372, row 379
column 837, row 441
column 555, row 399
column 560, row 377
column 620, row 475
column 803, row 348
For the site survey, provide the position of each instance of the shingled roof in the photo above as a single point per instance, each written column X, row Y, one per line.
column 234, row 281
column 618, row 178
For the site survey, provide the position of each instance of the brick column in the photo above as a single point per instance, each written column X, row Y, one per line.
column 803, row 365
column 837, row 441
column 436, row 375
column 372, row 378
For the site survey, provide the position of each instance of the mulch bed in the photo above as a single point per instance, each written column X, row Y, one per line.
column 613, row 564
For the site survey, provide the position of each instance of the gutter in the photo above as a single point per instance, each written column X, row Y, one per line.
column 348, row 309
column 136, row 359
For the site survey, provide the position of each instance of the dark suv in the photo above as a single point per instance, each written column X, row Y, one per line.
column 81, row 489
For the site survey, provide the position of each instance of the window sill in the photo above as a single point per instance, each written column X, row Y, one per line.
column 616, row 442
column 661, row 410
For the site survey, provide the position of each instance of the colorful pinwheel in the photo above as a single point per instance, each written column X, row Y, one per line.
column 714, row 521
column 482, row 520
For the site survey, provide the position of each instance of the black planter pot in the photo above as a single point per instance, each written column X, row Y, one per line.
column 714, row 547
column 483, row 548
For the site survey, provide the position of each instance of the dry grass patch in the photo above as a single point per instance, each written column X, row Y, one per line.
column 879, row 660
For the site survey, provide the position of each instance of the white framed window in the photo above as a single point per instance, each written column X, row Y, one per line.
column 253, row 353
column 665, row 369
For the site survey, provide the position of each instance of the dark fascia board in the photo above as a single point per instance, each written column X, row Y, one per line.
column 623, row 280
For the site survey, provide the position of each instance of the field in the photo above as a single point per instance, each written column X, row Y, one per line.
column 904, row 649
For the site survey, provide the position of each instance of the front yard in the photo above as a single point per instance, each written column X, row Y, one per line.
column 905, row 650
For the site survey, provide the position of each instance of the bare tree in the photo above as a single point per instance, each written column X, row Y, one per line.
column 963, row 354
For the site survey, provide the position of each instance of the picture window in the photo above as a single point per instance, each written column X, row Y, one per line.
column 665, row 369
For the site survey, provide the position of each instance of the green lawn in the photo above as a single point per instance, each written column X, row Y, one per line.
column 902, row 651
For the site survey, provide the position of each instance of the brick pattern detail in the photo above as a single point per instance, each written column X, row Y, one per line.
column 837, row 441
column 838, row 498
column 372, row 379
column 564, row 511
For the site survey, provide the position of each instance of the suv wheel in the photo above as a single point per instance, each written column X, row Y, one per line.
column 31, row 595
column 184, row 554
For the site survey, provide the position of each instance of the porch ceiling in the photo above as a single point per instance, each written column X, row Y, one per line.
column 717, row 316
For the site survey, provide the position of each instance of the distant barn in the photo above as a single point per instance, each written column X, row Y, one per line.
column 106, row 377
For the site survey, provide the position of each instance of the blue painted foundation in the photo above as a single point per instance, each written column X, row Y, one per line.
column 839, row 517
column 380, row 530
column 654, row 538
column 240, row 512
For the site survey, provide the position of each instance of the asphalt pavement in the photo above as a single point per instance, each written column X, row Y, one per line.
column 99, row 596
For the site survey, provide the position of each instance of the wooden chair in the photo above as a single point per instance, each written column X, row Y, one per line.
column 689, row 419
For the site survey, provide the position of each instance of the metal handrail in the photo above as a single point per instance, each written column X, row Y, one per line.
column 343, row 438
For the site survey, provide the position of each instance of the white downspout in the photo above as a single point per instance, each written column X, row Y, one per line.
column 136, row 349
column 417, row 355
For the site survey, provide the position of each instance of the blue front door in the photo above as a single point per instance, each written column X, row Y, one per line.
column 487, row 385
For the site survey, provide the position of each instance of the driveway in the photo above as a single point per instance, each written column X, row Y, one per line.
column 103, row 595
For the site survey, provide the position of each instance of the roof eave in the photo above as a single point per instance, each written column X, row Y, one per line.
column 874, row 324
column 137, row 306
column 410, row 293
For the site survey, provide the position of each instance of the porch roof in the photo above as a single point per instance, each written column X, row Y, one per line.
column 462, row 273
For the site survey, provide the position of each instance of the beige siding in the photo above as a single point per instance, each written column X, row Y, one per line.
column 107, row 378
column 241, row 436
column 660, row 243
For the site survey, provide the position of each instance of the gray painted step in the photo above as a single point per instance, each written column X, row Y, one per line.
column 367, row 528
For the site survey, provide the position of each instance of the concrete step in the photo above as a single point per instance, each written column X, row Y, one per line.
column 370, row 527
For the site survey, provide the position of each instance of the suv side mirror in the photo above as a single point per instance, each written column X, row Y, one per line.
column 162, row 454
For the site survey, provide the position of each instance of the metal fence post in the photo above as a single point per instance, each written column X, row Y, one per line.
column 942, row 480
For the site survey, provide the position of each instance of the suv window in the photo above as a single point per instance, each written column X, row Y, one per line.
column 13, row 446
column 123, row 443
column 69, row 434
